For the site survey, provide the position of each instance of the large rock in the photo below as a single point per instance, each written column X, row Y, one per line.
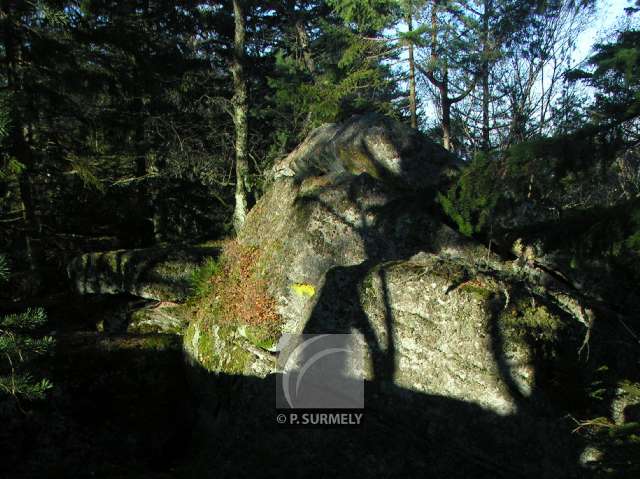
column 349, row 240
column 162, row 273
column 372, row 144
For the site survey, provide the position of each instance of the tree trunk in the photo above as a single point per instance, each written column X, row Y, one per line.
column 441, row 85
column 485, row 76
column 446, row 112
column 19, row 146
column 485, row 107
column 413, row 103
column 240, row 110
column 303, row 38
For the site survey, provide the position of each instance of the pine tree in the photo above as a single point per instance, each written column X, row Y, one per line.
column 20, row 346
column 328, row 64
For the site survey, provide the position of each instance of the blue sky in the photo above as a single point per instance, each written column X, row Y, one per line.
column 608, row 13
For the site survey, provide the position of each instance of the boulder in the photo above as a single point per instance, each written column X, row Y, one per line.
column 162, row 273
column 372, row 144
column 349, row 239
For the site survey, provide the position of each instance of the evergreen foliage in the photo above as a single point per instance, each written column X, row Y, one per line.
column 20, row 347
column 470, row 203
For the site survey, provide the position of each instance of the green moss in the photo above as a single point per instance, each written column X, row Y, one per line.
column 159, row 342
column 527, row 318
column 111, row 261
column 261, row 337
column 166, row 320
column 478, row 291
column 218, row 350
column 207, row 353
column 222, row 330
column 189, row 333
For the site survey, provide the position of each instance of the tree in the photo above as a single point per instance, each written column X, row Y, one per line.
column 12, row 15
column 336, row 69
column 535, row 59
column 615, row 76
column 19, row 348
column 240, row 112
column 453, row 64
column 409, row 9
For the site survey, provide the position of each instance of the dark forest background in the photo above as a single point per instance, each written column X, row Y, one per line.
column 137, row 123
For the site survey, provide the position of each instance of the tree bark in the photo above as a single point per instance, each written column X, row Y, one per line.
column 305, row 44
column 240, row 110
column 486, row 145
column 413, row 103
column 446, row 114
column 486, row 141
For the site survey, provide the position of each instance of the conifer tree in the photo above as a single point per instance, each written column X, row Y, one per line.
column 19, row 347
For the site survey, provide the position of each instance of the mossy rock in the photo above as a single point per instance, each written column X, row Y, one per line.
column 221, row 349
column 169, row 320
column 162, row 273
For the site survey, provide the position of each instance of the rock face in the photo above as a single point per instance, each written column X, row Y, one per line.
column 161, row 273
column 349, row 241
column 157, row 319
column 378, row 146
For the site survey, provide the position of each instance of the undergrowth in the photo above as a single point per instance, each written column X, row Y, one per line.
column 201, row 284
column 231, row 291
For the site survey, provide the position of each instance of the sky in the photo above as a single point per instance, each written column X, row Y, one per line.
column 608, row 13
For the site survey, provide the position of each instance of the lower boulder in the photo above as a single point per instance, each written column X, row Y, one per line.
column 159, row 318
column 161, row 273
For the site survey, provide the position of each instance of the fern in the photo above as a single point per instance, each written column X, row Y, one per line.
column 201, row 278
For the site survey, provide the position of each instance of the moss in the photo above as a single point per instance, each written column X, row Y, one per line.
column 231, row 304
column 189, row 333
column 159, row 342
column 261, row 337
column 218, row 349
column 174, row 268
column 111, row 261
column 313, row 185
column 480, row 292
column 151, row 342
column 528, row 318
column 166, row 320
column 233, row 358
